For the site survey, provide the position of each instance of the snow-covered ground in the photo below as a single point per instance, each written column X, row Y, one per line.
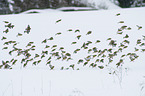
column 68, row 83
column 40, row 81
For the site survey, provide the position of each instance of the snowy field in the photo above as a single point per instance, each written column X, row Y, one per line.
column 40, row 81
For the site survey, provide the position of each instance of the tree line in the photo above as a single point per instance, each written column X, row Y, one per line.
column 17, row 6
column 129, row 3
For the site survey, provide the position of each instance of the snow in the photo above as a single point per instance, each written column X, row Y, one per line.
column 75, row 8
column 39, row 11
column 67, row 83
column 40, row 81
column 10, row 4
column 10, row 1
column 101, row 4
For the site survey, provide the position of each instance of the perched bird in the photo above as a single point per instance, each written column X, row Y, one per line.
column 139, row 27
column 118, row 14
column 58, row 21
